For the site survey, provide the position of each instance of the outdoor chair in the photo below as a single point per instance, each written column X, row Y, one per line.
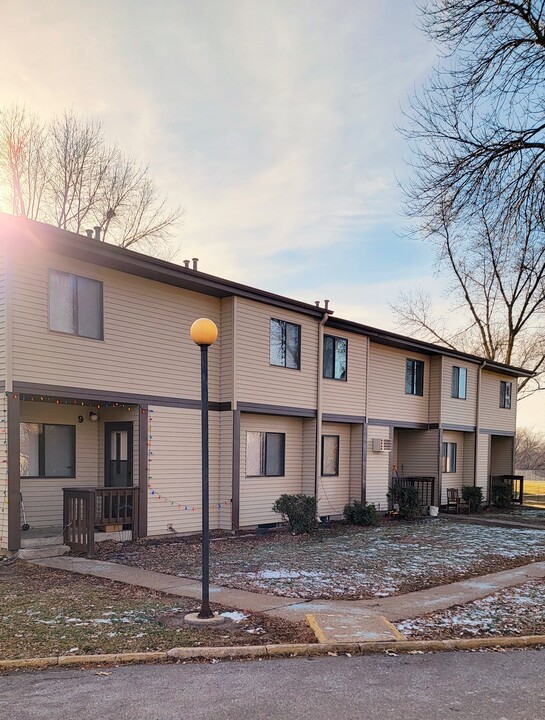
column 456, row 501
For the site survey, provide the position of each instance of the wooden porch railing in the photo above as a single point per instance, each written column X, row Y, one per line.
column 424, row 484
column 516, row 482
column 84, row 509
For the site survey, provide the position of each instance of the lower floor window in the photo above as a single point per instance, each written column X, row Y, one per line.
column 330, row 455
column 265, row 454
column 48, row 450
column 449, row 457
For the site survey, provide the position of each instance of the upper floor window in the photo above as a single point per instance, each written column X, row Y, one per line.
column 330, row 455
column 285, row 344
column 265, row 454
column 449, row 457
column 459, row 382
column 335, row 357
column 48, row 451
column 506, row 389
column 75, row 305
column 414, row 377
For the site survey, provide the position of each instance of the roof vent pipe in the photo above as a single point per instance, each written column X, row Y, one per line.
column 89, row 233
column 326, row 304
column 317, row 303
column 195, row 261
column 97, row 232
column 186, row 263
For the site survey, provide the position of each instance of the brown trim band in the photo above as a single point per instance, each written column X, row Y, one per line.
column 14, row 473
column 505, row 433
column 58, row 392
column 458, row 428
column 276, row 410
column 352, row 419
column 402, row 424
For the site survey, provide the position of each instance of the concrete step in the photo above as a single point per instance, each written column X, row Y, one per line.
column 45, row 551
column 340, row 627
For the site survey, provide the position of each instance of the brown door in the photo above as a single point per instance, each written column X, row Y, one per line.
column 118, row 455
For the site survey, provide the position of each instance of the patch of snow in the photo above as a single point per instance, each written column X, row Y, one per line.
column 235, row 616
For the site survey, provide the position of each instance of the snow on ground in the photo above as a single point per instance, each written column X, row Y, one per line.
column 514, row 611
column 344, row 562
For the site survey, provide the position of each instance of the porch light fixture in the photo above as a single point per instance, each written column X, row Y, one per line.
column 204, row 333
column 93, row 417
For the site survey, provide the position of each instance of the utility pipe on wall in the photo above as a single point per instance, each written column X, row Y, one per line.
column 477, row 422
column 318, row 460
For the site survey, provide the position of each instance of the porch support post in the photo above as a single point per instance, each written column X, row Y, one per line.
column 439, row 468
column 235, row 473
column 364, row 462
column 14, row 472
column 143, row 440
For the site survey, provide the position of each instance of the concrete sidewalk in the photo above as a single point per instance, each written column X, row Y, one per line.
column 396, row 608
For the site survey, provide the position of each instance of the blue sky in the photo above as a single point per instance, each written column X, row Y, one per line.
column 272, row 121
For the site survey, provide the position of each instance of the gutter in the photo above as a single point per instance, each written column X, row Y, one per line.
column 318, row 459
column 477, row 421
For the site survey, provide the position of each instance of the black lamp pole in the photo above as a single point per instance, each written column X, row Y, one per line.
column 205, row 611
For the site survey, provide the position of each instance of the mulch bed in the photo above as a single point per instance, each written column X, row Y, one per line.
column 47, row 612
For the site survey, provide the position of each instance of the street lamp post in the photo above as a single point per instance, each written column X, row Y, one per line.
column 204, row 333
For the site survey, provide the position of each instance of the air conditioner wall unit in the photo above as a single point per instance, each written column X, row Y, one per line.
column 382, row 444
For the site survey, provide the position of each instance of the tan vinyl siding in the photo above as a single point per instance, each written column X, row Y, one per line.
column 493, row 417
column 226, row 350
column 257, row 380
column 309, row 455
column 455, row 410
column 436, row 369
column 378, row 468
column 356, row 461
column 347, row 398
column 3, row 472
column 387, row 398
column 175, row 470
column 257, row 494
column 469, row 458
column 43, row 497
column 455, row 479
column 501, row 455
column 146, row 347
column 483, row 444
column 334, row 492
column 417, row 452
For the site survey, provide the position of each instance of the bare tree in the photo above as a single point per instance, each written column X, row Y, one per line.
column 477, row 192
column 67, row 174
column 496, row 288
column 529, row 450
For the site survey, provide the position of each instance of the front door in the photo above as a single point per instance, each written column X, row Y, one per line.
column 118, row 454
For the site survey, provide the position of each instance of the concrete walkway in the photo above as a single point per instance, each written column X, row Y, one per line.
column 393, row 609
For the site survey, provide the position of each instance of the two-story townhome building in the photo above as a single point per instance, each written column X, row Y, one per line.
column 101, row 388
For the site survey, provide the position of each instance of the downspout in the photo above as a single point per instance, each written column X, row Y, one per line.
column 477, row 423
column 318, row 458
